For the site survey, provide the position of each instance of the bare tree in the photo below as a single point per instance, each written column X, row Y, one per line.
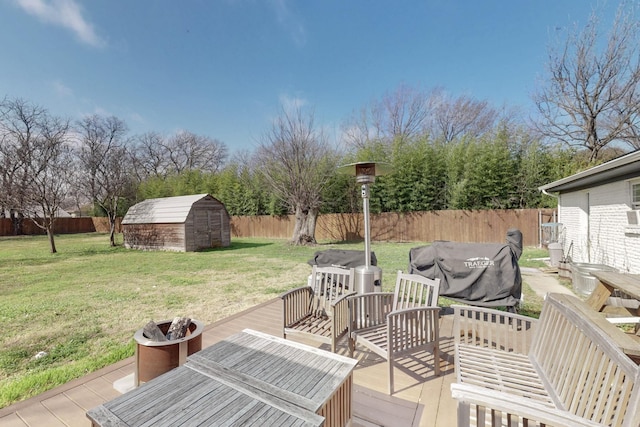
column 20, row 123
column 150, row 156
column 188, row 151
column 157, row 156
column 50, row 172
column 409, row 113
column 296, row 161
column 453, row 117
column 105, row 164
column 401, row 114
column 116, row 184
column 36, row 162
column 590, row 97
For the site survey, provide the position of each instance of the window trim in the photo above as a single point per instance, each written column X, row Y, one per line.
column 633, row 185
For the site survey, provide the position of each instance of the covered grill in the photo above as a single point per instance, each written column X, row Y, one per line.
column 340, row 258
column 368, row 278
column 481, row 274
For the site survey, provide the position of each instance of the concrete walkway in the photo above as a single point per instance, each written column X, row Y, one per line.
column 542, row 283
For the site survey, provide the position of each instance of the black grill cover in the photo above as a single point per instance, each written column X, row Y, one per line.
column 340, row 258
column 482, row 274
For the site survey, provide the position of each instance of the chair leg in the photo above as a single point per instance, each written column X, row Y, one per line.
column 390, row 367
column 463, row 414
column 352, row 346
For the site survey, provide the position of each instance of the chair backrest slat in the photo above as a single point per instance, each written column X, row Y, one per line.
column 413, row 290
column 329, row 284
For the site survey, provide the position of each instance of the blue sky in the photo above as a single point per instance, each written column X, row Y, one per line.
column 224, row 68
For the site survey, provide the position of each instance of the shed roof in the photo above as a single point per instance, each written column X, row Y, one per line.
column 162, row 210
column 624, row 167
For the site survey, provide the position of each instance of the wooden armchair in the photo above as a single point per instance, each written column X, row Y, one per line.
column 320, row 311
column 394, row 324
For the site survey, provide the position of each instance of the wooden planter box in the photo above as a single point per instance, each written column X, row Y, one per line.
column 564, row 270
column 154, row 358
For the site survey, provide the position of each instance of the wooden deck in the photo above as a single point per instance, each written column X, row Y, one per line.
column 421, row 398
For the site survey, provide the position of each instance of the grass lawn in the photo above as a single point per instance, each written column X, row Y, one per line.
column 82, row 305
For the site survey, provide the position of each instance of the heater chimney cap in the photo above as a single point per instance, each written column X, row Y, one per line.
column 366, row 171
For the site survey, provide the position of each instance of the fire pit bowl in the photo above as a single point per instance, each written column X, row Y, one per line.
column 154, row 358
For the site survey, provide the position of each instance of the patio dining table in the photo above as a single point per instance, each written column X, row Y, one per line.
column 608, row 282
column 250, row 378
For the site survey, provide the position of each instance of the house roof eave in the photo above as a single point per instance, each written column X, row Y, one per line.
column 624, row 167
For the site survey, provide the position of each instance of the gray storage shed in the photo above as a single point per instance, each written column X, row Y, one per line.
column 182, row 223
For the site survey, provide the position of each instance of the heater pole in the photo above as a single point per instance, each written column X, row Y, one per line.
column 367, row 241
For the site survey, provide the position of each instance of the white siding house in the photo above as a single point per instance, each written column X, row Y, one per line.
column 599, row 212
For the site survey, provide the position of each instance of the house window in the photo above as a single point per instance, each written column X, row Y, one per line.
column 635, row 195
column 633, row 216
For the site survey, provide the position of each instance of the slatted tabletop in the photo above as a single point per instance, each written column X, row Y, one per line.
column 186, row 397
column 294, row 372
column 248, row 378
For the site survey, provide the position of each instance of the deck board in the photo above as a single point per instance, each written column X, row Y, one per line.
column 421, row 398
column 65, row 409
column 84, row 397
column 12, row 420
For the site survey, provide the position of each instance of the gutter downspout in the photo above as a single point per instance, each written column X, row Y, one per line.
column 545, row 192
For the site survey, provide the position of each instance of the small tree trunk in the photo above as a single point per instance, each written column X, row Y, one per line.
column 112, row 230
column 52, row 243
column 16, row 221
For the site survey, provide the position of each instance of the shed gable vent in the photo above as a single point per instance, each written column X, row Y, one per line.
column 633, row 217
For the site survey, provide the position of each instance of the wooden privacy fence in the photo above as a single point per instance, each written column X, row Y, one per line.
column 62, row 226
column 481, row 226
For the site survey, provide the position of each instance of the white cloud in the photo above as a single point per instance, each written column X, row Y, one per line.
column 93, row 110
column 288, row 19
column 65, row 13
column 62, row 89
column 137, row 118
column 291, row 103
column 101, row 111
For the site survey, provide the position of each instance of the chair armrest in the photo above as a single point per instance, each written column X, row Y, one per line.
column 368, row 310
column 404, row 311
column 296, row 304
column 340, row 318
column 412, row 327
column 343, row 300
column 486, row 327
column 289, row 294
column 511, row 404
column 370, row 295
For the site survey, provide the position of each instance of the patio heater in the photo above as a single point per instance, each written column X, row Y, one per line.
column 368, row 277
